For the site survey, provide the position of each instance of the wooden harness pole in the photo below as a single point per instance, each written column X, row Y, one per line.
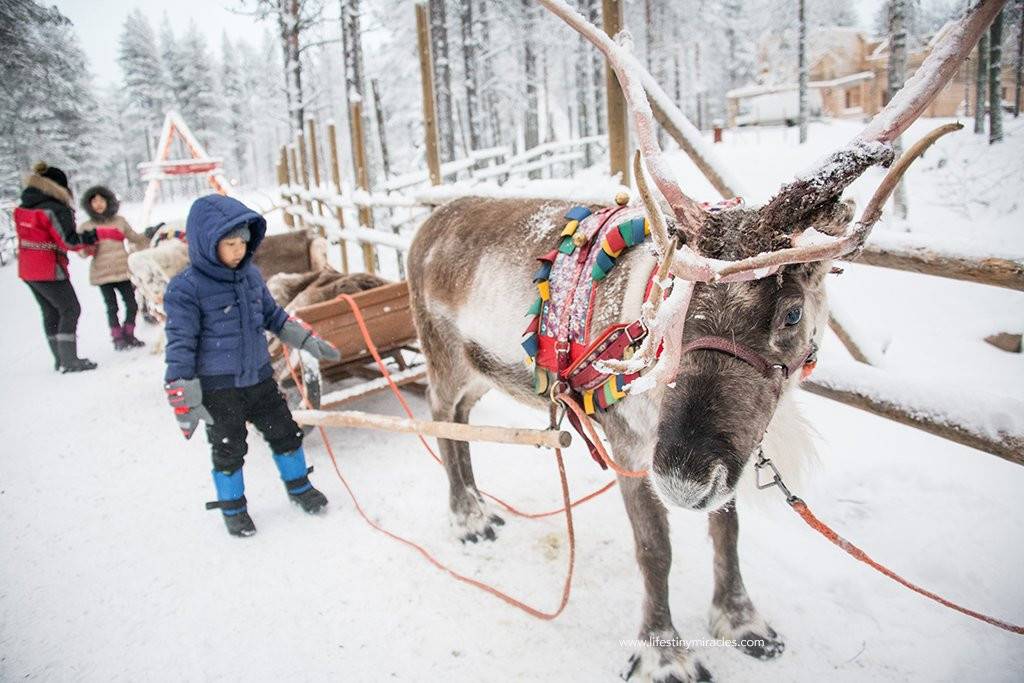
column 427, row 80
column 618, row 131
column 545, row 438
column 332, row 139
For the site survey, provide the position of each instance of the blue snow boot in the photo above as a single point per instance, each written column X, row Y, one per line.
column 231, row 501
column 295, row 476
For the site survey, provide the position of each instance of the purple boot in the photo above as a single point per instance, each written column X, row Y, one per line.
column 130, row 340
column 117, row 333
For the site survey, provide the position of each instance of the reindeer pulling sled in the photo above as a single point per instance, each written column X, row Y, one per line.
column 698, row 342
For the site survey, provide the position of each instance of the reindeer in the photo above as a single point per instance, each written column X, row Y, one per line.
column 745, row 312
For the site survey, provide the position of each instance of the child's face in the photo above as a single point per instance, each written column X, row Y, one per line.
column 231, row 251
column 98, row 203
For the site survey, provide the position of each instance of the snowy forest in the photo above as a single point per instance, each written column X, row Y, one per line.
column 506, row 73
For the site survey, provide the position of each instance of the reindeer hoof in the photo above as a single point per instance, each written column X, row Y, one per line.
column 762, row 646
column 474, row 528
column 752, row 635
column 665, row 665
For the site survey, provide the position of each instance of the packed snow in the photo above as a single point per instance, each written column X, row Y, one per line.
column 112, row 570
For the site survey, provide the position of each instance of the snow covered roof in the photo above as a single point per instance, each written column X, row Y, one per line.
column 753, row 90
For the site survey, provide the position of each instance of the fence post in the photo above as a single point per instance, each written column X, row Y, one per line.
column 282, row 180
column 427, row 80
column 362, row 180
column 314, row 155
column 294, row 175
column 300, row 141
column 618, row 131
column 332, row 140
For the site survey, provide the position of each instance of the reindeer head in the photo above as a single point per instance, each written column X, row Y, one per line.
column 748, row 301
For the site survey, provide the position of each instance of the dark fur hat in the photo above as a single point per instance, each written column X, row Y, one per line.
column 112, row 202
column 52, row 172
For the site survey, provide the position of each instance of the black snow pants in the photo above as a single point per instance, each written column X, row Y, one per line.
column 131, row 307
column 60, row 307
column 261, row 404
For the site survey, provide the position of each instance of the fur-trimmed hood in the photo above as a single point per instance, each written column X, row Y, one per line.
column 38, row 185
column 112, row 202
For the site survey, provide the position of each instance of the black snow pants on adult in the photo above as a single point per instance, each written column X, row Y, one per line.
column 261, row 404
column 60, row 307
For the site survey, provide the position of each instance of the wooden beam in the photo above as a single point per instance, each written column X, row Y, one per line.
column 545, row 438
column 618, row 119
column 427, row 81
column 987, row 271
column 1008, row 447
column 283, row 181
column 362, row 180
column 332, row 140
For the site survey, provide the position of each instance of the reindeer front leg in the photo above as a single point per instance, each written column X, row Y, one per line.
column 733, row 616
column 672, row 663
column 451, row 401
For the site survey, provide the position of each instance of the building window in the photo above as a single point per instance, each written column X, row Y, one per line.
column 852, row 98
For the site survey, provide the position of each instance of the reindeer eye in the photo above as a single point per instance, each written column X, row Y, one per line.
column 793, row 317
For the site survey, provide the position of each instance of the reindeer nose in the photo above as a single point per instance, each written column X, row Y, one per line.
column 706, row 494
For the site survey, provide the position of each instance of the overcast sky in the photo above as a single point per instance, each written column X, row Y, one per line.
column 99, row 23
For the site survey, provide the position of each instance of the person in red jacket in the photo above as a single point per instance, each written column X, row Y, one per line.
column 45, row 223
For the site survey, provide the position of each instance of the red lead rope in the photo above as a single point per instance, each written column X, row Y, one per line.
column 827, row 532
column 801, row 509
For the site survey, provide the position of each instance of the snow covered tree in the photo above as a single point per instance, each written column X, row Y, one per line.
column 897, row 73
column 199, row 99
column 442, row 78
column 471, row 78
column 46, row 102
column 995, row 80
column 145, row 86
column 981, row 90
column 802, row 70
column 531, row 126
column 236, row 112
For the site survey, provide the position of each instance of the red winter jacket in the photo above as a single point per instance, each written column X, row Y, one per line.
column 45, row 224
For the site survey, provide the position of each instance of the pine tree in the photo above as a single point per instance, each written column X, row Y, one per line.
column 145, row 86
column 442, row 78
column 995, row 80
column 236, row 109
column 42, row 63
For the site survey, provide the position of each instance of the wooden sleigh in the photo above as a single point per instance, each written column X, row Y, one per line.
column 388, row 318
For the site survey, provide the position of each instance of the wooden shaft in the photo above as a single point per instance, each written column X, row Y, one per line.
column 332, row 141
column 427, row 81
column 545, row 438
column 362, row 180
column 618, row 120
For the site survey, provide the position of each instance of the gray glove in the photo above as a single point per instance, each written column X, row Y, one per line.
column 186, row 397
column 298, row 334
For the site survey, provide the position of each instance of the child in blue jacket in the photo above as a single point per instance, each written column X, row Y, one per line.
column 218, row 367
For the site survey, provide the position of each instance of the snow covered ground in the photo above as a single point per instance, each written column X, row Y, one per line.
column 111, row 570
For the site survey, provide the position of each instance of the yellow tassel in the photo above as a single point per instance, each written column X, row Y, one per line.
column 570, row 228
column 544, row 289
column 588, row 402
column 647, row 227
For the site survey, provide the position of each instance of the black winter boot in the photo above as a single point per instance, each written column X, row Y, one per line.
column 295, row 476
column 310, row 500
column 69, row 360
column 52, row 341
column 231, row 501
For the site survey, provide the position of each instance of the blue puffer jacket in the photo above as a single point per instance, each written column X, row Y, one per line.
column 216, row 315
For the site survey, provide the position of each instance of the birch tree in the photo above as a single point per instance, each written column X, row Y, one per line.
column 471, row 77
column 981, row 85
column 802, row 69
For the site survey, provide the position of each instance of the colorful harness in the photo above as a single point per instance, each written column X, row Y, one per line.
column 558, row 339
